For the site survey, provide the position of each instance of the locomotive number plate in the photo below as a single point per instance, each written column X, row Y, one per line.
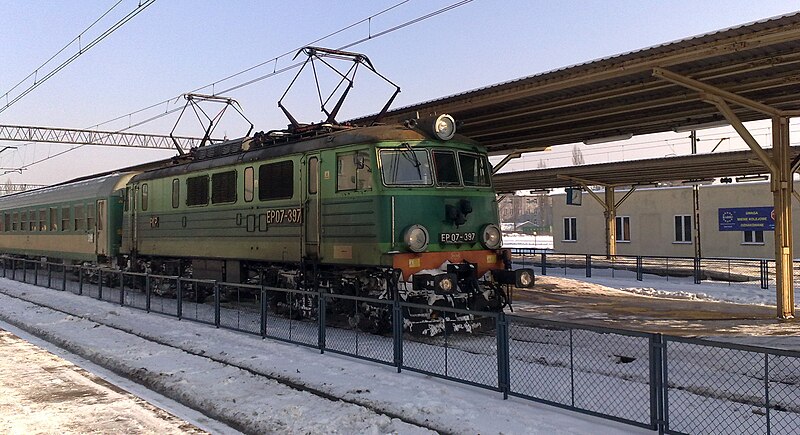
column 284, row 216
column 456, row 238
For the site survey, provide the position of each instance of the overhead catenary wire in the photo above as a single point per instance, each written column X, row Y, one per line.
column 143, row 4
column 264, row 76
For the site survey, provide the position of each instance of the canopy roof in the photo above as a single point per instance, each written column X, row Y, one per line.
column 620, row 95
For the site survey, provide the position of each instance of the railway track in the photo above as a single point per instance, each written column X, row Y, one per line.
column 222, row 362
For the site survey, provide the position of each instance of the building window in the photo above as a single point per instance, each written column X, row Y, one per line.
column 276, row 181
column 683, row 229
column 570, row 229
column 623, row 228
column 753, row 237
column 223, row 187
column 197, row 190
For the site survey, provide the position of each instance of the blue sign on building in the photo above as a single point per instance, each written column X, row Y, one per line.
column 747, row 219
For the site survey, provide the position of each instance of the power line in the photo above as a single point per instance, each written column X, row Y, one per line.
column 81, row 50
column 273, row 73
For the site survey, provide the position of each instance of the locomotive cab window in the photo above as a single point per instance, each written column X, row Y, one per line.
column 313, row 175
column 446, row 169
column 353, row 171
column 406, row 167
column 474, row 169
column 223, row 187
column 197, row 190
column 276, row 181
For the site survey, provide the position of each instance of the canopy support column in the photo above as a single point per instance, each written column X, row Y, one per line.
column 782, row 191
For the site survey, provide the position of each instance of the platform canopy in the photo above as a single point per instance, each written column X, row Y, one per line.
column 690, row 169
column 631, row 94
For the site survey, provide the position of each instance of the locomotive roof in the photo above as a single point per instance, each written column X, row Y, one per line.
column 352, row 136
column 85, row 189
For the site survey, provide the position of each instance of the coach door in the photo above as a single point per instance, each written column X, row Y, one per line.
column 101, row 235
column 311, row 227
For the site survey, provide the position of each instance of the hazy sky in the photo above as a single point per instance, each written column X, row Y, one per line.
column 176, row 46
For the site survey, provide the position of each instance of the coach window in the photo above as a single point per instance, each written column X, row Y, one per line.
column 753, row 238
column 42, row 220
column 6, row 222
column 53, row 219
column 249, row 183
column 197, row 190
column 176, row 193
column 145, row 195
column 223, row 187
column 65, row 219
column 313, row 175
column 276, row 181
column 353, row 171
column 623, row 226
column 14, row 221
column 570, row 229
column 90, row 216
column 23, row 221
column 444, row 163
column 80, row 218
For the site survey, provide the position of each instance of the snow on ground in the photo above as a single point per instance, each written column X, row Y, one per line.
column 227, row 374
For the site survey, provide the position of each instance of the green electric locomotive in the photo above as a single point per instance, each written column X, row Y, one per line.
column 371, row 210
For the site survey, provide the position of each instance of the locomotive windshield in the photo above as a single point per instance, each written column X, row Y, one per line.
column 407, row 167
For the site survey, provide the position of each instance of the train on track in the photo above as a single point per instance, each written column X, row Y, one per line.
column 379, row 211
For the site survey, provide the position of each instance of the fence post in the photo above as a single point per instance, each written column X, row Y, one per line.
column 147, row 293
column 544, row 263
column 503, row 369
column 764, row 266
column 321, row 317
column 179, row 297
column 121, row 288
column 697, row 270
column 216, row 304
column 397, row 330
column 36, row 274
column 64, row 279
column 263, row 312
column 588, row 265
column 24, row 271
column 657, row 383
column 639, row 271
column 99, row 283
column 766, row 390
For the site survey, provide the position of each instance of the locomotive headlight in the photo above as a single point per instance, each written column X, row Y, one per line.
column 416, row 238
column 491, row 237
column 444, row 126
column 524, row 278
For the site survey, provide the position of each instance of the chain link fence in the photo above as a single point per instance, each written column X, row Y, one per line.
column 664, row 383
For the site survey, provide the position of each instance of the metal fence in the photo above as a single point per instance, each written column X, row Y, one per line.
column 664, row 383
column 751, row 271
